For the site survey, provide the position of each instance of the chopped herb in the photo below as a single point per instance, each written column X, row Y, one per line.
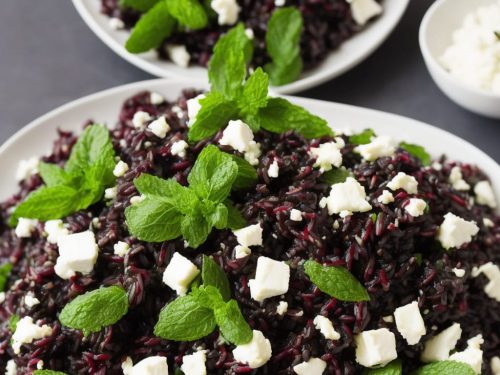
column 362, row 138
column 417, row 151
column 335, row 176
column 13, row 320
column 48, row 372
column 4, row 275
column 445, row 368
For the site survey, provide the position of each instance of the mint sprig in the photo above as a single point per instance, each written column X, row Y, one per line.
column 92, row 311
column 445, row 368
column 417, row 151
column 215, row 276
column 283, row 45
column 189, row 13
column 335, row 281
column 170, row 209
column 5, row 270
column 362, row 138
column 87, row 173
column 393, row 368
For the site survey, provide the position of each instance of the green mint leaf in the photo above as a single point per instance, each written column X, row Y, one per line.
column 151, row 29
column 195, row 230
column 140, row 5
column 218, row 217
column 337, row 282
column 208, row 296
column 48, row 372
column 5, row 270
column 335, row 176
column 185, row 319
column 235, row 219
column 189, row 13
column 362, row 138
column 445, row 368
column 212, row 274
column 215, row 113
column 418, row 151
column 13, row 320
column 94, row 310
column 283, row 45
column 232, row 324
column 393, row 368
column 280, row 116
column 247, row 174
column 53, row 175
column 254, row 94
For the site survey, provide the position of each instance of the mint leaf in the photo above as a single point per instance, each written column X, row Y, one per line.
column 337, row 282
column 335, row 176
column 418, row 151
column 362, row 138
column 254, row 95
column 185, row 319
column 208, row 296
column 151, row 29
column 235, row 219
column 189, row 13
column 217, row 216
column 48, row 372
column 195, row 230
column 393, row 368
column 5, row 270
column 445, row 368
column 283, row 45
column 232, row 324
column 140, row 5
column 53, row 175
column 212, row 274
column 13, row 320
column 94, row 310
column 247, row 175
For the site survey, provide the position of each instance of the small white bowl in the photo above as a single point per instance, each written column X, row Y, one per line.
column 435, row 35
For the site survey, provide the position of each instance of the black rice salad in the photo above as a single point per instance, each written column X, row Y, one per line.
column 415, row 249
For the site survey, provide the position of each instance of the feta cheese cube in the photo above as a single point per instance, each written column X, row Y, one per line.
column 140, row 119
column 178, row 54
column 282, row 308
column 77, row 253
column 249, row 236
column 179, row 273
column 159, row 127
column 256, row 353
column 472, row 355
column 110, row 193
column 156, row 98
column 438, row 348
column 377, row 148
column 386, row 197
column 484, row 194
column 455, row 231
column 30, row 300
column 179, row 149
column 193, row 107
column 416, row 207
column 25, row 227
column 227, row 11
column 238, row 135
column 327, row 155
column 492, row 272
column 410, row 323
column 27, row 168
column 194, row 364
column 274, row 170
column 11, row 368
column 121, row 248
column 325, row 326
column 271, row 279
column 241, row 252
column 495, row 365
column 120, row 169
column 148, row 366
column 27, row 331
column 364, row 10
column 315, row 366
column 405, row 182
column 346, row 196
column 116, row 23
column 456, row 180
column 295, row 215
column 375, row 348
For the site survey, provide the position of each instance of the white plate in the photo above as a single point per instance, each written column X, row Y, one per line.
column 36, row 138
column 351, row 53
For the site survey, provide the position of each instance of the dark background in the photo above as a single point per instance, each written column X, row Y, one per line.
column 49, row 57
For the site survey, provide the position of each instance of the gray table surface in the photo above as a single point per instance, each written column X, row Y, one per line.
column 49, row 57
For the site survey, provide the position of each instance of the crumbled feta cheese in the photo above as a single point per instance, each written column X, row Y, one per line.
column 116, row 23
column 39, row 365
column 27, row 331
column 241, row 251
column 327, row 155
column 253, row 153
column 179, row 273
column 416, row 207
column 140, row 119
column 194, row 364
column 405, row 182
column 388, row 319
column 274, row 170
column 136, row 199
column 472, row 355
column 325, row 326
column 346, row 196
column 409, row 322
column 120, row 169
column 256, row 353
column 193, row 107
column 179, row 149
column 121, row 248
column 178, row 54
column 30, row 300
column 438, row 348
column 159, row 127
column 458, row 272
column 295, row 215
column 271, row 279
column 227, row 11
column 2, row 297
column 148, row 366
column 386, row 197
column 455, row 231
column 11, row 368
column 239, row 136
column 437, row 166
column 282, row 308
column 488, row 222
column 375, row 347
column 127, row 366
column 377, row 148
column 280, row 3
column 492, row 272
column 364, row 10
column 315, row 366
column 484, row 194
column 27, row 168
column 456, row 180
column 77, row 253
column 156, row 98
column 25, row 227
column 249, row 33
column 495, row 365
column 110, row 193
column 249, row 236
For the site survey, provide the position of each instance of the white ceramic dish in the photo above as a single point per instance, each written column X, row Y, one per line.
column 36, row 138
column 351, row 53
column 435, row 35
